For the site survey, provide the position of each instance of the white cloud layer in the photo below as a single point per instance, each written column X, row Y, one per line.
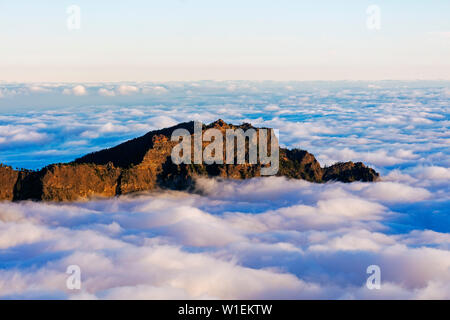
column 239, row 240
column 260, row 238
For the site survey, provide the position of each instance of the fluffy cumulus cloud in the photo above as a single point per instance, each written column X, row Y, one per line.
column 260, row 238
column 127, row 89
column 77, row 90
column 106, row 92
column 13, row 136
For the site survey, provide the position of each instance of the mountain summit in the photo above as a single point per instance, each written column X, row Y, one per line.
column 145, row 163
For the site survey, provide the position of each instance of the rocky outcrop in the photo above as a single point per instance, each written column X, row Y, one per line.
column 145, row 163
column 8, row 179
column 349, row 172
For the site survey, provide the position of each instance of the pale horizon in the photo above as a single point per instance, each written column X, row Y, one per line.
column 197, row 40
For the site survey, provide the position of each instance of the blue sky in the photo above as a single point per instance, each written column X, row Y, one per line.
column 253, row 40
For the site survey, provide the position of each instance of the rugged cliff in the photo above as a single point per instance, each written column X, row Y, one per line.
column 145, row 163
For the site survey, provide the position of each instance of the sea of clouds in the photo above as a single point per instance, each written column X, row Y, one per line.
column 259, row 238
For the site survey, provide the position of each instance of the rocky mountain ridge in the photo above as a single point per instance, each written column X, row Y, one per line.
column 145, row 163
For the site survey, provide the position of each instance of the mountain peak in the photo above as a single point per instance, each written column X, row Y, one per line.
column 144, row 163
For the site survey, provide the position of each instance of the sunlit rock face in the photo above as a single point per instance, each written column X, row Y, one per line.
column 145, row 164
column 8, row 179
